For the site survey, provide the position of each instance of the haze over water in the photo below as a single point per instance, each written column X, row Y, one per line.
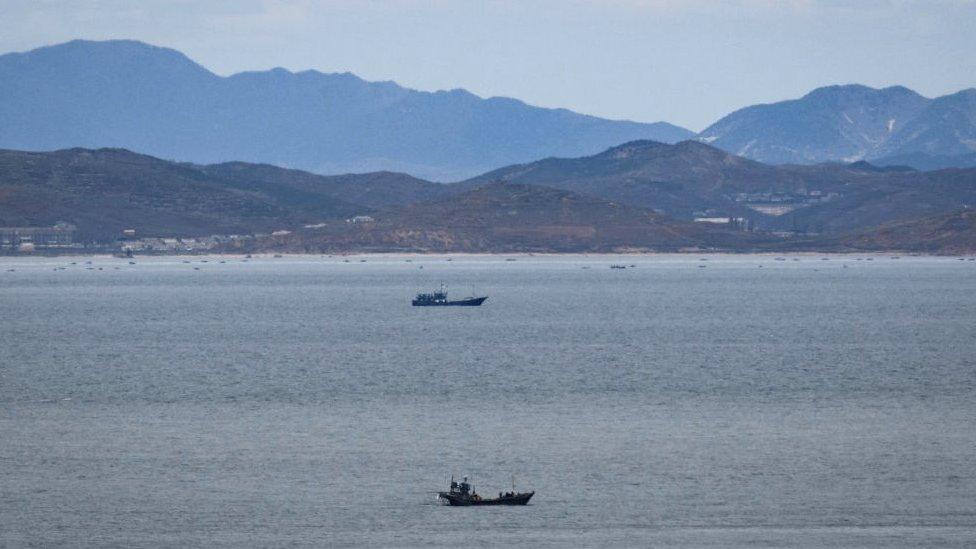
column 302, row 401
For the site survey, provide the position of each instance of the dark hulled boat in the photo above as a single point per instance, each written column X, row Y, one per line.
column 439, row 299
column 463, row 494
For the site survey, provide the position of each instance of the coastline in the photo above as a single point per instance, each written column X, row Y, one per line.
column 482, row 255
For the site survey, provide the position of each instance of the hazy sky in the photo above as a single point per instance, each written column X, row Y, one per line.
column 688, row 62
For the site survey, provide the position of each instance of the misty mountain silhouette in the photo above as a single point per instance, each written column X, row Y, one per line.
column 157, row 101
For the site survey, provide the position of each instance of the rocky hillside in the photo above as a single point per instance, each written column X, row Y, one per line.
column 691, row 179
column 507, row 217
column 952, row 233
column 107, row 190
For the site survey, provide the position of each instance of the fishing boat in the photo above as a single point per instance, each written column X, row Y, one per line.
column 463, row 494
column 439, row 298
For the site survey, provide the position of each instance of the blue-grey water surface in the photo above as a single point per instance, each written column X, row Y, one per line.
column 301, row 401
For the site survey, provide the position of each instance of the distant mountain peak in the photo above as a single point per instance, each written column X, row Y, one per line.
column 115, row 49
column 858, row 90
column 849, row 122
column 116, row 44
column 839, row 89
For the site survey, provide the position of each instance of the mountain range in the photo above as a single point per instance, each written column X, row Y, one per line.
column 835, row 169
column 105, row 191
column 848, row 123
column 127, row 94
column 157, row 101
column 642, row 195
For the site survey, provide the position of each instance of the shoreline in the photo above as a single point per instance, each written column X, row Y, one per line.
column 892, row 253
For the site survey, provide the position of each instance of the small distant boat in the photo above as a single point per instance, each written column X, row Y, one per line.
column 618, row 266
column 463, row 494
column 439, row 299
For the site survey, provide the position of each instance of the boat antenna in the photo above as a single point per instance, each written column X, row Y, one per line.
column 513, row 484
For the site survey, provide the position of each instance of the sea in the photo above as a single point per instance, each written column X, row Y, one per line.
column 684, row 401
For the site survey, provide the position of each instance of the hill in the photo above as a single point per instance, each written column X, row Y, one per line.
column 848, row 123
column 507, row 217
column 691, row 179
column 677, row 180
column 951, row 233
column 155, row 100
column 107, row 190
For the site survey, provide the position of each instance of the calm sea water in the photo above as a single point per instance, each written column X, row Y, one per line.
column 735, row 401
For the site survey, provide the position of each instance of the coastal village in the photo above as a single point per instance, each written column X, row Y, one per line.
column 64, row 237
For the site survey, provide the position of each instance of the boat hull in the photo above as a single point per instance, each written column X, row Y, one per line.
column 470, row 302
column 458, row 500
